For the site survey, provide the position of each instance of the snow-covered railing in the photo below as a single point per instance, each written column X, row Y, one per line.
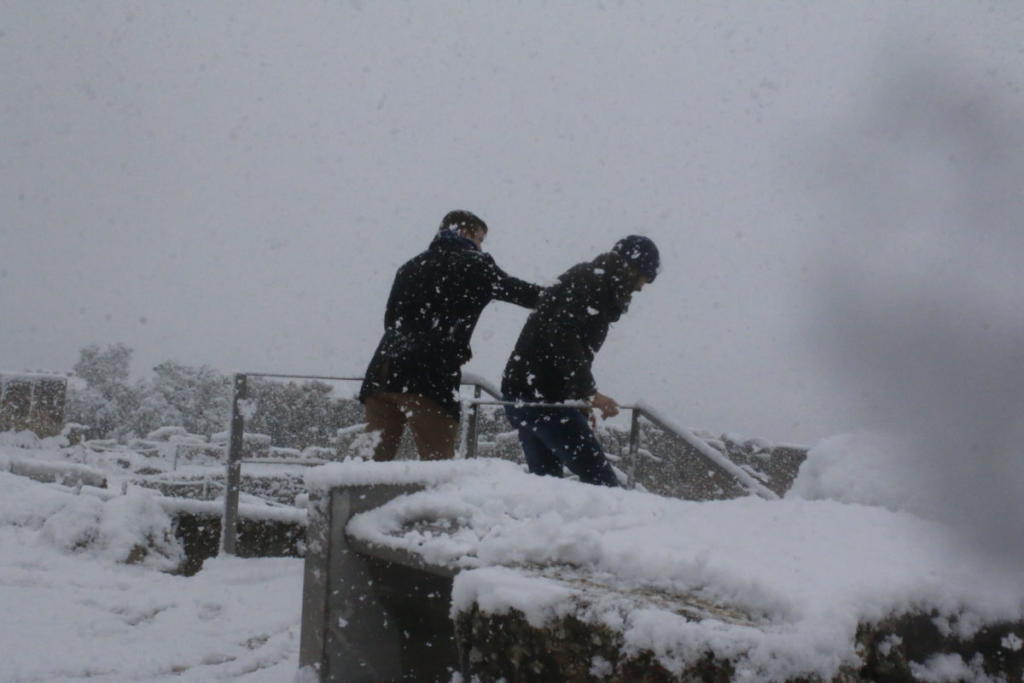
column 713, row 456
column 242, row 408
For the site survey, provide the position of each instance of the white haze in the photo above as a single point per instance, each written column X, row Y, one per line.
column 833, row 187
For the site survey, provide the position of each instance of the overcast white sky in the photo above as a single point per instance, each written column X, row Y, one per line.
column 234, row 184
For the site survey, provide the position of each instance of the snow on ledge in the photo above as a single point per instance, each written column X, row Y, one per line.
column 809, row 572
column 403, row 472
column 263, row 513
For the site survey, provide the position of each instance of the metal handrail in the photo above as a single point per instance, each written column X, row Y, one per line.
column 229, row 524
column 229, row 533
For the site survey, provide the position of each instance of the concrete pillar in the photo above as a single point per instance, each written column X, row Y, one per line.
column 369, row 614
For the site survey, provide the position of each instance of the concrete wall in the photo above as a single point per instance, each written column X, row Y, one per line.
column 369, row 614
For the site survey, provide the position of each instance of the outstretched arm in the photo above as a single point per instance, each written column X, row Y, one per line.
column 504, row 287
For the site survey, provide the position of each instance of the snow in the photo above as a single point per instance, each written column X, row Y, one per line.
column 73, row 610
column 807, row 571
column 55, row 470
column 866, row 468
column 849, row 544
column 169, row 432
column 1012, row 642
column 253, row 438
column 950, row 668
column 399, row 472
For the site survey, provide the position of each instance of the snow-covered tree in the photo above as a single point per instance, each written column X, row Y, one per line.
column 196, row 398
column 107, row 403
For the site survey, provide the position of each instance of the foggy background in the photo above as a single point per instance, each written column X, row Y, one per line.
column 835, row 189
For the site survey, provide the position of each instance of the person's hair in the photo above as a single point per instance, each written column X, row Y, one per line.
column 462, row 220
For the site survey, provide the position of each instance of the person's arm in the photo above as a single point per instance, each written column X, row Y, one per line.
column 512, row 290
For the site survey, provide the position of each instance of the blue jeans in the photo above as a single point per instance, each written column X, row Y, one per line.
column 553, row 437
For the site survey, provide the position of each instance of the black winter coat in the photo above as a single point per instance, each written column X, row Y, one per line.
column 552, row 358
column 435, row 302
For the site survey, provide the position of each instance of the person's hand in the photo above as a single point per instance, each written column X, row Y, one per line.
column 606, row 404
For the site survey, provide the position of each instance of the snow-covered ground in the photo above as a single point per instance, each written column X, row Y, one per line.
column 854, row 541
column 72, row 609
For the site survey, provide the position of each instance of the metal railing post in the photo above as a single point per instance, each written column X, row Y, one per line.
column 229, row 524
column 634, row 448
column 474, row 424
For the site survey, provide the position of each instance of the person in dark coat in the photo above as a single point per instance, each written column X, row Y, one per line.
column 552, row 359
column 435, row 302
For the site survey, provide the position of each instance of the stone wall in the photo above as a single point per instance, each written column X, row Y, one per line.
column 505, row 646
column 199, row 533
column 32, row 402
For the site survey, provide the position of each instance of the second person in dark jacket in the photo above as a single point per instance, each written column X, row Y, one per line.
column 435, row 302
column 551, row 362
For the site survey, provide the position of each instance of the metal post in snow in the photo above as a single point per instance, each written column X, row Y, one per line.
column 229, row 523
column 474, row 423
column 634, row 448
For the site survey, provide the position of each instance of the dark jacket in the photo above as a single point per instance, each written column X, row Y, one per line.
column 552, row 358
column 435, row 302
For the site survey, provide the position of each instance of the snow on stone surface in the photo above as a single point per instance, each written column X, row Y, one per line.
column 360, row 473
column 249, row 511
column 809, row 570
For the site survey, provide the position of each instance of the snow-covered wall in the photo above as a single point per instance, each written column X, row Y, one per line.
column 803, row 576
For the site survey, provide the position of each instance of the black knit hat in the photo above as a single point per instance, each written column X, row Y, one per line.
column 459, row 220
column 641, row 253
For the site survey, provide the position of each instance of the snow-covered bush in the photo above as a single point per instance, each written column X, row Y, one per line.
column 76, row 526
column 132, row 529
column 200, row 397
column 298, row 415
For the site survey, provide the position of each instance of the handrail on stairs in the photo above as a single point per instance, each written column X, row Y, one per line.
column 239, row 410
